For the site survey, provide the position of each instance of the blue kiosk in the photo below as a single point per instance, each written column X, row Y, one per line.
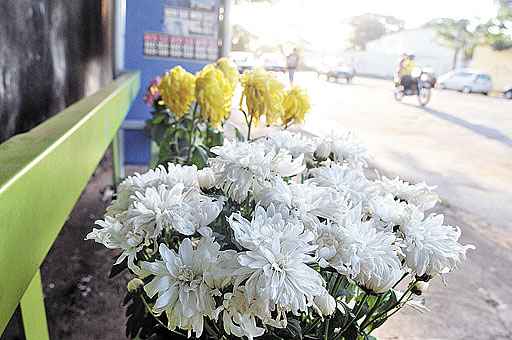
column 160, row 34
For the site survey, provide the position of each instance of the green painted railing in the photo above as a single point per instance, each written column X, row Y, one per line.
column 42, row 173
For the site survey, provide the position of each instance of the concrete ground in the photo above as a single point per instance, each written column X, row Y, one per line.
column 462, row 144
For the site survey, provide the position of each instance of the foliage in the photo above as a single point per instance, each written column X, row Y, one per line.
column 368, row 27
column 202, row 103
column 498, row 31
column 188, row 112
column 242, row 39
column 463, row 35
column 456, row 34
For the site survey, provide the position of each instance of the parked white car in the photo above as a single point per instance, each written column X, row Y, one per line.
column 466, row 80
column 507, row 92
column 244, row 60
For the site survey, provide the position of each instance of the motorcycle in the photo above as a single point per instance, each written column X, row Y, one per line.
column 419, row 83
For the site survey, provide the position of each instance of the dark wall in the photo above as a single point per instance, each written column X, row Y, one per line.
column 52, row 53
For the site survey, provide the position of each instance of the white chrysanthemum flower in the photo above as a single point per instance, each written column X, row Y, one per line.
column 279, row 273
column 284, row 165
column 430, row 247
column 275, row 269
column 266, row 225
column 181, row 283
column 387, row 212
column 307, row 201
column 176, row 173
column 322, row 151
column 176, row 208
column 227, row 264
column 344, row 148
column 239, row 315
column 325, row 304
column 347, row 180
column 115, row 235
column 421, row 195
column 187, row 175
column 296, row 143
column 129, row 186
column 241, row 168
column 206, row 178
column 360, row 251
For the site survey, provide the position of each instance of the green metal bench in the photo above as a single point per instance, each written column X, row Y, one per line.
column 42, row 173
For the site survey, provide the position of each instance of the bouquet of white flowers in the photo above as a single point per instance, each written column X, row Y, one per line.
column 280, row 237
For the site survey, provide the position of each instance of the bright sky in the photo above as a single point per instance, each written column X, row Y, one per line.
column 323, row 22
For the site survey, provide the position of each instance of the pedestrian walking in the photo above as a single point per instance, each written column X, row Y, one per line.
column 292, row 62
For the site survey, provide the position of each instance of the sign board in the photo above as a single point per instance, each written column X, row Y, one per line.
column 161, row 34
column 188, row 32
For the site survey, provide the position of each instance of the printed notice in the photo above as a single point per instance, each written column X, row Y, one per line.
column 189, row 32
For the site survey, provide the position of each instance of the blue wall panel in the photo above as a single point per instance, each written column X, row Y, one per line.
column 146, row 16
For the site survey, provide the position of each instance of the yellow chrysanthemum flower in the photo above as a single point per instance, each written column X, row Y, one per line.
column 263, row 96
column 177, row 90
column 213, row 95
column 295, row 105
column 229, row 70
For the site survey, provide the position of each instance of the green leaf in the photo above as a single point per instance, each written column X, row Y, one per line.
column 389, row 301
column 118, row 269
column 352, row 333
column 293, row 327
column 215, row 138
column 341, row 318
column 159, row 118
column 158, row 133
column 239, row 136
column 376, row 324
column 199, row 156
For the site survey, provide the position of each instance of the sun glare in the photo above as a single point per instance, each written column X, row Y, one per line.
column 324, row 23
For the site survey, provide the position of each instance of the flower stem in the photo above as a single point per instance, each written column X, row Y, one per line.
column 385, row 315
column 150, row 311
column 312, row 326
column 403, row 277
column 357, row 308
column 395, row 305
column 249, row 129
column 372, row 310
column 326, row 332
column 191, row 137
column 337, row 283
column 210, row 331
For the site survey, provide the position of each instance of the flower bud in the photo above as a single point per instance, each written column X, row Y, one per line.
column 420, row 287
column 322, row 152
column 325, row 303
column 206, row 178
column 134, row 285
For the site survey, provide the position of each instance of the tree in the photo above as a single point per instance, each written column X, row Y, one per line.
column 242, row 39
column 369, row 26
column 498, row 31
column 457, row 35
column 462, row 37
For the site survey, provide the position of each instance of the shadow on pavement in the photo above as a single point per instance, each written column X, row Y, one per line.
column 482, row 130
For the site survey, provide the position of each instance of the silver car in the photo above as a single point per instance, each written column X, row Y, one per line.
column 507, row 92
column 466, row 80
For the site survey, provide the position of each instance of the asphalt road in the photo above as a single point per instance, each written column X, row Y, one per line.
column 462, row 144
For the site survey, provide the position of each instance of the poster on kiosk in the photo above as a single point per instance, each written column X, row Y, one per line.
column 159, row 35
